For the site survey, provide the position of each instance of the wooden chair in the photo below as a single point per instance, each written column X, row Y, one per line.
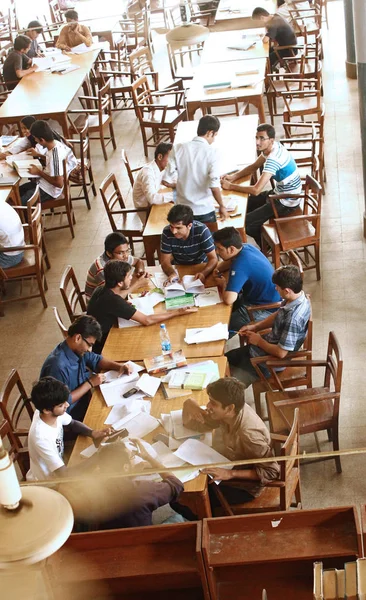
column 318, row 406
column 17, row 453
column 180, row 55
column 15, row 403
column 117, row 72
column 300, row 233
column 63, row 203
column 59, row 322
column 31, row 267
column 238, row 110
column 31, row 206
column 141, row 64
column 99, row 111
column 126, row 220
column 278, row 494
column 130, row 171
column 159, row 112
column 81, row 147
column 136, row 30
column 57, row 14
column 72, row 295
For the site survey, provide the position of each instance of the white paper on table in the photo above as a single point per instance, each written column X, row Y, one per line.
column 119, row 411
column 195, row 452
column 179, row 430
column 148, row 385
column 207, row 334
column 166, row 456
column 144, row 304
column 89, row 451
column 186, row 474
column 137, row 424
column 114, row 375
column 192, row 285
column 113, row 392
column 167, row 422
column 124, row 323
column 174, row 444
column 48, row 62
column 208, row 298
column 155, row 298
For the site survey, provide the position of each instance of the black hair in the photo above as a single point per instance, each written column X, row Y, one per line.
column 280, row 3
column 28, row 121
column 288, row 276
column 86, row 326
column 22, row 42
column 163, row 148
column 228, row 390
column 113, row 240
column 207, row 123
column 228, row 236
column 71, row 14
column 41, row 129
column 115, row 271
column 259, row 12
column 269, row 129
column 36, row 26
column 49, row 392
column 180, row 212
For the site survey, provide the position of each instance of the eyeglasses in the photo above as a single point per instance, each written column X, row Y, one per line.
column 261, row 138
column 123, row 252
column 89, row 344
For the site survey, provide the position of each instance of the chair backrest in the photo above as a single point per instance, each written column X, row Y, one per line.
column 141, row 60
column 127, row 165
column 32, row 203
column 104, row 101
column 288, row 475
column 141, row 94
column 36, row 233
column 56, row 12
column 59, row 322
column 111, row 195
column 83, row 144
column 334, row 369
column 14, row 447
column 14, row 401
column 71, row 294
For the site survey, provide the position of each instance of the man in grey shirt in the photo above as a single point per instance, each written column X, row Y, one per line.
column 278, row 31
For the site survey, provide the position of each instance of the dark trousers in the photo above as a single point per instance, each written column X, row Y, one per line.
column 232, row 494
column 273, row 56
column 26, row 191
column 259, row 211
column 207, row 218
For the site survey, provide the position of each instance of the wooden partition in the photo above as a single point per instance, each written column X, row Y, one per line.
column 158, row 562
column 276, row 551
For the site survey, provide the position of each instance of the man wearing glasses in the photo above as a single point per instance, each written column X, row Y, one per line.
column 277, row 163
column 115, row 247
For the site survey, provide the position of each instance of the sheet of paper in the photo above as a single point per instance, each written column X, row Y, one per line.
column 138, row 424
column 113, row 375
column 166, row 421
column 120, row 411
column 166, row 456
column 148, row 384
column 208, row 298
column 113, row 392
column 207, row 334
column 123, row 323
column 89, row 451
column 185, row 475
column 155, row 298
column 195, row 452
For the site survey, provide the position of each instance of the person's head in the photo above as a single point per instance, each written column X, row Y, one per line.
column 180, row 218
column 71, row 16
column 260, row 14
column 42, row 133
column 22, row 43
column 83, row 333
column 116, row 246
column 208, row 126
column 280, row 3
column 228, row 242
column 34, row 29
column 117, row 274
column 265, row 137
column 26, row 124
column 226, row 398
column 288, row 281
column 162, row 154
column 50, row 396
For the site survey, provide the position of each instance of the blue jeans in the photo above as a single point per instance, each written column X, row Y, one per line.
column 207, row 218
column 10, row 260
column 240, row 317
column 26, row 191
column 259, row 211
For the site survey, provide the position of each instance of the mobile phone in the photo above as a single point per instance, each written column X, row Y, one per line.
column 236, row 215
column 122, row 433
column 130, row 392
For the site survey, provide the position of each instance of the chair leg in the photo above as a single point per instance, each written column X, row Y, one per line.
column 317, row 442
column 257, row 402
column 298, row 495
column 103, row 144
column 71, row 219
column 91, row 180
column 86, row 195
column 336, row 447
column 111, row 131
column 40, row 276
column 317, row 260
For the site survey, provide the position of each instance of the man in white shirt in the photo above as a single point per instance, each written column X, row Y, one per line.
column 46, row 433
column 51, row 180
column 196, row 165
column 150, row 177
column 11, row 235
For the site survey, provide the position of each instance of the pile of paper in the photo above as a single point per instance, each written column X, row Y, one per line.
column 207, row 334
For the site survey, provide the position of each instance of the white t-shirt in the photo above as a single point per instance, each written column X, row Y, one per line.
column 46, row 446
column 147, row 185
column 11, row 230
column 54, row 158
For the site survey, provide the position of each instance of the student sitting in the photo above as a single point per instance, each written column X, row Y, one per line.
column 186, row 241
column 288, row 326
column 51, row 180
column 28, row 142
column 115, row 247
column 250, row 277
column 73, row 33
column 73, row 363
column 17, row 63
column 117, row 502
column 239, row 434
column 11, row 235
column 34, row 30
column 149, row 179
column 107, row 304
column 279, row 32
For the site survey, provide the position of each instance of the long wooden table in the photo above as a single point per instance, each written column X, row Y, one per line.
column 236, row 148
column 216, row 48
column 195, row 493
column 9, row 192
column 197, row 95
column 47, row 95
column 236, row 14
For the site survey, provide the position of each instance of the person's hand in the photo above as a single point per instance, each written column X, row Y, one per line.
column 223, row 214
column 143, row 453
column 96, row 379
column 227, row 177
column 3, row 155
column 67, row 49
column 34, row 68
column 194, row 411
column 226, row 185
column 125, row 370
column 99, row 435
column 253, row 338
column 33, row 170
column 173, row 278
column 218, row 474
column 34, row 154
column 200, row 276
column 138, row 282
column 245, row 329
column 187, row 309
column 140, row 269
column 219, row 279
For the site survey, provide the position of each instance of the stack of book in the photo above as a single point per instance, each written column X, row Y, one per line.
column 340, row 584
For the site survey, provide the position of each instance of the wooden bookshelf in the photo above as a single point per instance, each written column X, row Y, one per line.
column 276, row 551
column 163, row 561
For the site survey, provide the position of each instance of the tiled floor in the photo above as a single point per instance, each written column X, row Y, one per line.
column 28, row 332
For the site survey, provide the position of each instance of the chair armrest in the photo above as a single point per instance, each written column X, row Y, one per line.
column 301, row 401
column 88, row 97
column 84, row 111
column 16, row 248
column 277, row 437
column 297, row 363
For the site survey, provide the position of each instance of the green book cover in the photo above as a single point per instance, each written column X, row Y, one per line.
column 195, row 381
column 179, row 301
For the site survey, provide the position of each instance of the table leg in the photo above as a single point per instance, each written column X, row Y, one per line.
column 191, row 109
column 151, row 243
column 258, row 103
column 198, row 502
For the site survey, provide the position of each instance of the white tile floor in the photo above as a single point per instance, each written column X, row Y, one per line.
column 28, row 333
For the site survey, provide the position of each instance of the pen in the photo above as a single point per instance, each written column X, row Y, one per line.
column 232, row 331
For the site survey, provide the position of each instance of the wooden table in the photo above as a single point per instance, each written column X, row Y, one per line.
column 224, row 71
column 236, row 14
column 195, row 493
column 9, row 192
column 216, row 47
column 47, row 95
column 104, row 28
column 235, row 144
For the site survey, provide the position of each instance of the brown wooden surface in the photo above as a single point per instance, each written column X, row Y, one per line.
column 9, row 192
column 216, row 47
column 225, row 20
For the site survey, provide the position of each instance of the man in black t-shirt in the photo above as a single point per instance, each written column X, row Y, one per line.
column 17, row 63
column 107, row 304
column 279, row 31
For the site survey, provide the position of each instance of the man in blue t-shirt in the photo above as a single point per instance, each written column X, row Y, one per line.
column 250, row 277
column 186, row 242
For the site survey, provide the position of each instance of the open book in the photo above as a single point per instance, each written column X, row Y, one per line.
column 188, row 284
column 22, row 166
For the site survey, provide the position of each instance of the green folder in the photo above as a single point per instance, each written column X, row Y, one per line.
column 179, row 301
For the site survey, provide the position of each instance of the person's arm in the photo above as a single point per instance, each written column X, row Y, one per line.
column 139, row 265
column 273, row 349
column 166, row 258
column 209, row 266
column 149, row 189
column 105, row 364
column 196, row 418
column 63, row 40
column 23, row 72
column 161, row 317
column 56, row 180
column 171, row 171
column 171, row 184
column 216, row 192
column 254, row 190
column 80, row 428
column 248, row 170
column 213, row 176
column 220, row 474
column 84, row 34
column 260, row 325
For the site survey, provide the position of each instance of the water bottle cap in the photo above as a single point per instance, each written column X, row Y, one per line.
column 162, row 326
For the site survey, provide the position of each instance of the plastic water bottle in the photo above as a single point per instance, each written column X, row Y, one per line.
column 166, row 346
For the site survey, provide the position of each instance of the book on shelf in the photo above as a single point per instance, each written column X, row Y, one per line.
column 318, row 581
column 340, row 583
column 361, row 578
column 330, row 587
column 350, row 581
column 184, row 301
column 165, row 362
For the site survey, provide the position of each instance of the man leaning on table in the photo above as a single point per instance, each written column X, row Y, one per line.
column 74, row 363
column 17, row 64
column 196, row 167
column 279, row 164
column 72, row 34
column 186, row 241
column 149, row 179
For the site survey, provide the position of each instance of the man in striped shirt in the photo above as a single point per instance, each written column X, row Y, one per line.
column 278, row 164
column 186, row 242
